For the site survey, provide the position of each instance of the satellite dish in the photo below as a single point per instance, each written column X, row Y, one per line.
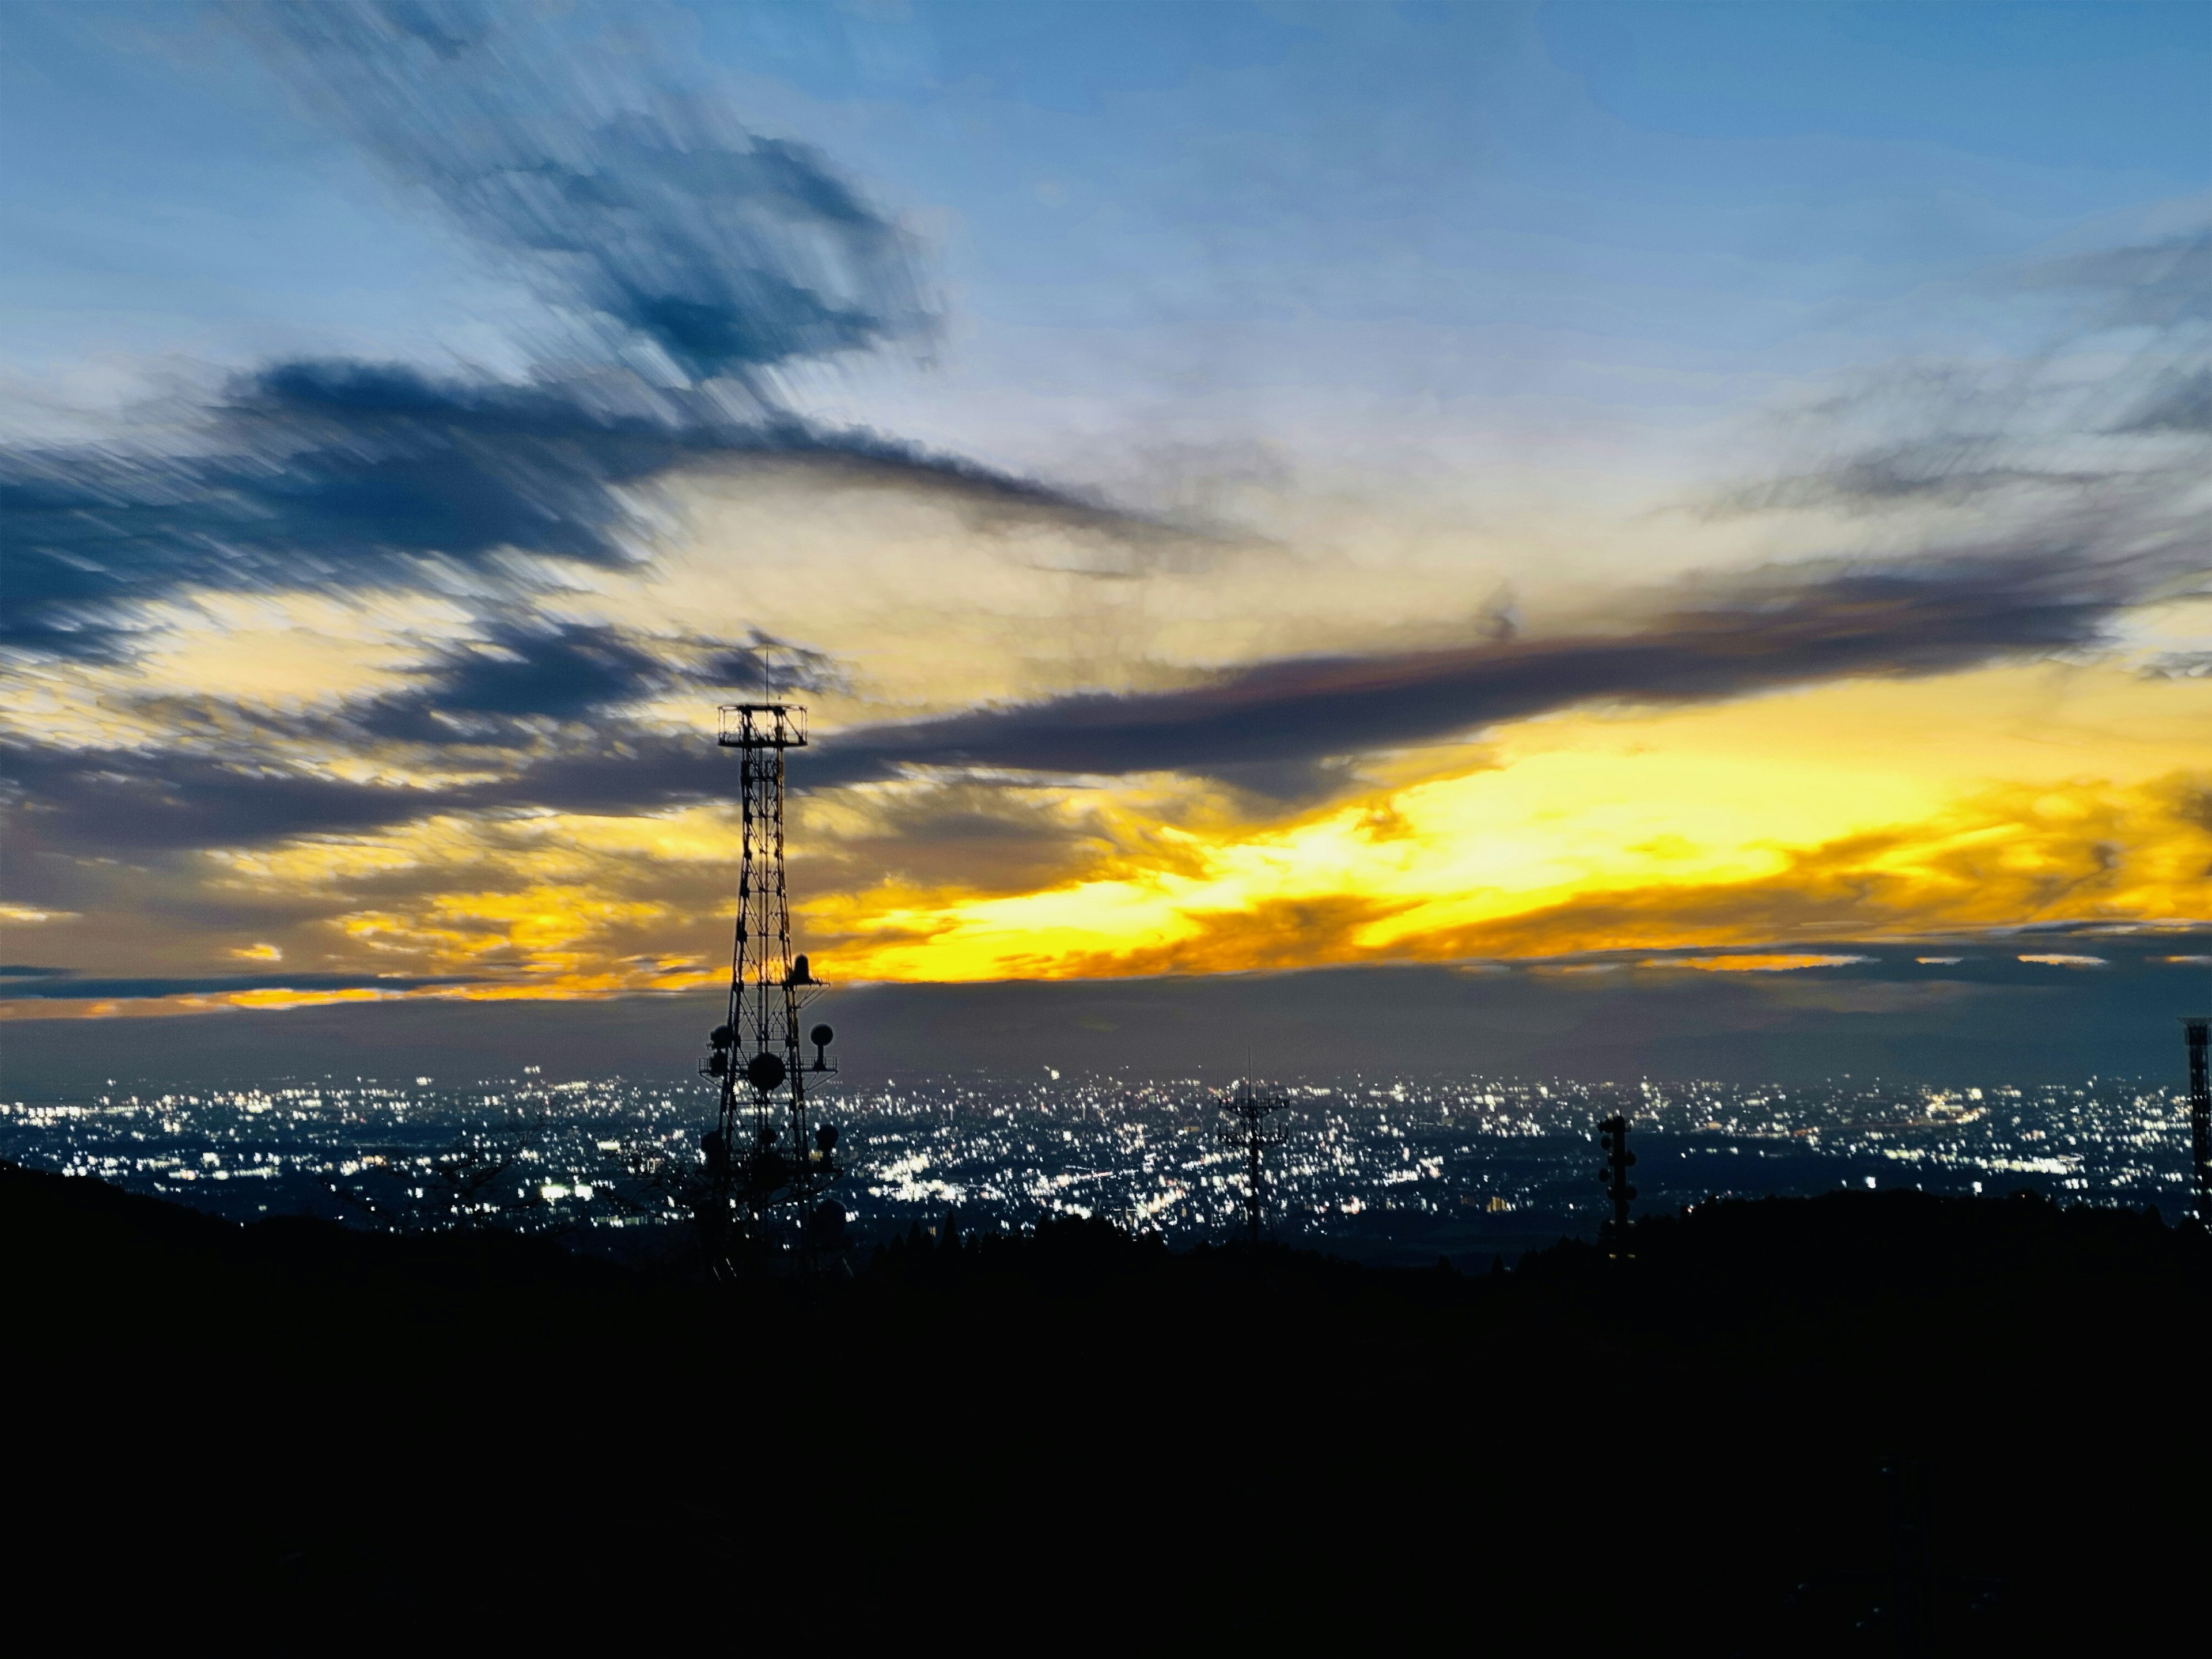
column 765, row 1072
column 822, row 1036
column 721, row 1036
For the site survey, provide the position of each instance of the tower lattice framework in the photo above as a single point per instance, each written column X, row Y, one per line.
column 1251, row 1134
column 765, row 1154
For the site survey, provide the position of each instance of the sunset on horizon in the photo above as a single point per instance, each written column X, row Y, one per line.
column 1134, row 820
column 1586, row 511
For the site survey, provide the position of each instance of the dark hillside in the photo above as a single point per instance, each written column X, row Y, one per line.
column 1074, row 1431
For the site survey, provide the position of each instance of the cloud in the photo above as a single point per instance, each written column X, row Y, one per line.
column 520, row 672
column 1903, row 619
column 2079, row 860
column 2182, row 402
column 1759, row 962
column 683, row 261
column 71, row 989
column 147, row 800
column 688, row 266
column 2160, row 285
column 1943, row 471
column 341, row 475
column 580, row 165
column 1276, row 729
column 2034, row 435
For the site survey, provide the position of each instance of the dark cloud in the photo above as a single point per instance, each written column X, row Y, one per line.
column 2160, row 285
column 519, row 673
column 134, row 801
column 2183, row 403
column 88, row 802
column 583, row 168
column 623, row 201
column 1943, row 471
column 1278, row 729
column 68, row 988
column 972, row 837
column 561, row 673
column 2013, row 437
column 336, row 476
column 1894, row 621
column 1322, row 1024
column 327, row 476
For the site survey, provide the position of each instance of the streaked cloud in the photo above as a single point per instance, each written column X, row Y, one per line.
column 396, row 672
column 565, row 147
column 1795, row 627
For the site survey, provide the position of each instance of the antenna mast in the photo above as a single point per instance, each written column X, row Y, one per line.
column 1613, row 1135
column 1250, row 1135
column 2198, row 1030
column 765, row 1151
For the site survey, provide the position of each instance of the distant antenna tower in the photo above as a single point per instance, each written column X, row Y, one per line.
column 1251, row 1135
column 2199, row 1027
column 1613, row 1135
column 764, row 1152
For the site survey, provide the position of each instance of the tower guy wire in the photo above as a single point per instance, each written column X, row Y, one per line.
column 1250, row 1134
column 766, row 1158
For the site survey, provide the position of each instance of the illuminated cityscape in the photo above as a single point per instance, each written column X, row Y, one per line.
column 1380, row 1170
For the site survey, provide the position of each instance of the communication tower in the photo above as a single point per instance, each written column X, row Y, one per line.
column 765, row 1155
column 2199, row 1030
column 1250, row 1134
column 1613, row 1135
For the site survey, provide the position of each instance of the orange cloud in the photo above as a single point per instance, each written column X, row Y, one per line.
column 1999, row 857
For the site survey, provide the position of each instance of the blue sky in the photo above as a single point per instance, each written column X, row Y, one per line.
column 1613, row 205
column 1742, row 465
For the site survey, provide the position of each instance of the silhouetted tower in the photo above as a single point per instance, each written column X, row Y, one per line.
column 1250, row 1135
column 2200, row 1117
column 764, row 1152
column 1613, row 1135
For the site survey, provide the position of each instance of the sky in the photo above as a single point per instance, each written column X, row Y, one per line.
column 1658, row 497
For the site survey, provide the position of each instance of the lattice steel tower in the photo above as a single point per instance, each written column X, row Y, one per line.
column 764, row 1155
column 1613, row 1135
column 1250, row 1135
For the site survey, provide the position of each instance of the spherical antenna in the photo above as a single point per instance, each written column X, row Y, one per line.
column 765, row 1072
column 822, row 1036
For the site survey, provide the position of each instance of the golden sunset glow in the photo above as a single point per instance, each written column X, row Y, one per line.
column 1862, row 811
column 1441, row 567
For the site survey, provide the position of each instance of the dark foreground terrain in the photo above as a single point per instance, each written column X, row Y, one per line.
column 1856, row 1424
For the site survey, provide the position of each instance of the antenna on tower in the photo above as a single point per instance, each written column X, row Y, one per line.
column 766, row 1152
column 1250, row 1134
